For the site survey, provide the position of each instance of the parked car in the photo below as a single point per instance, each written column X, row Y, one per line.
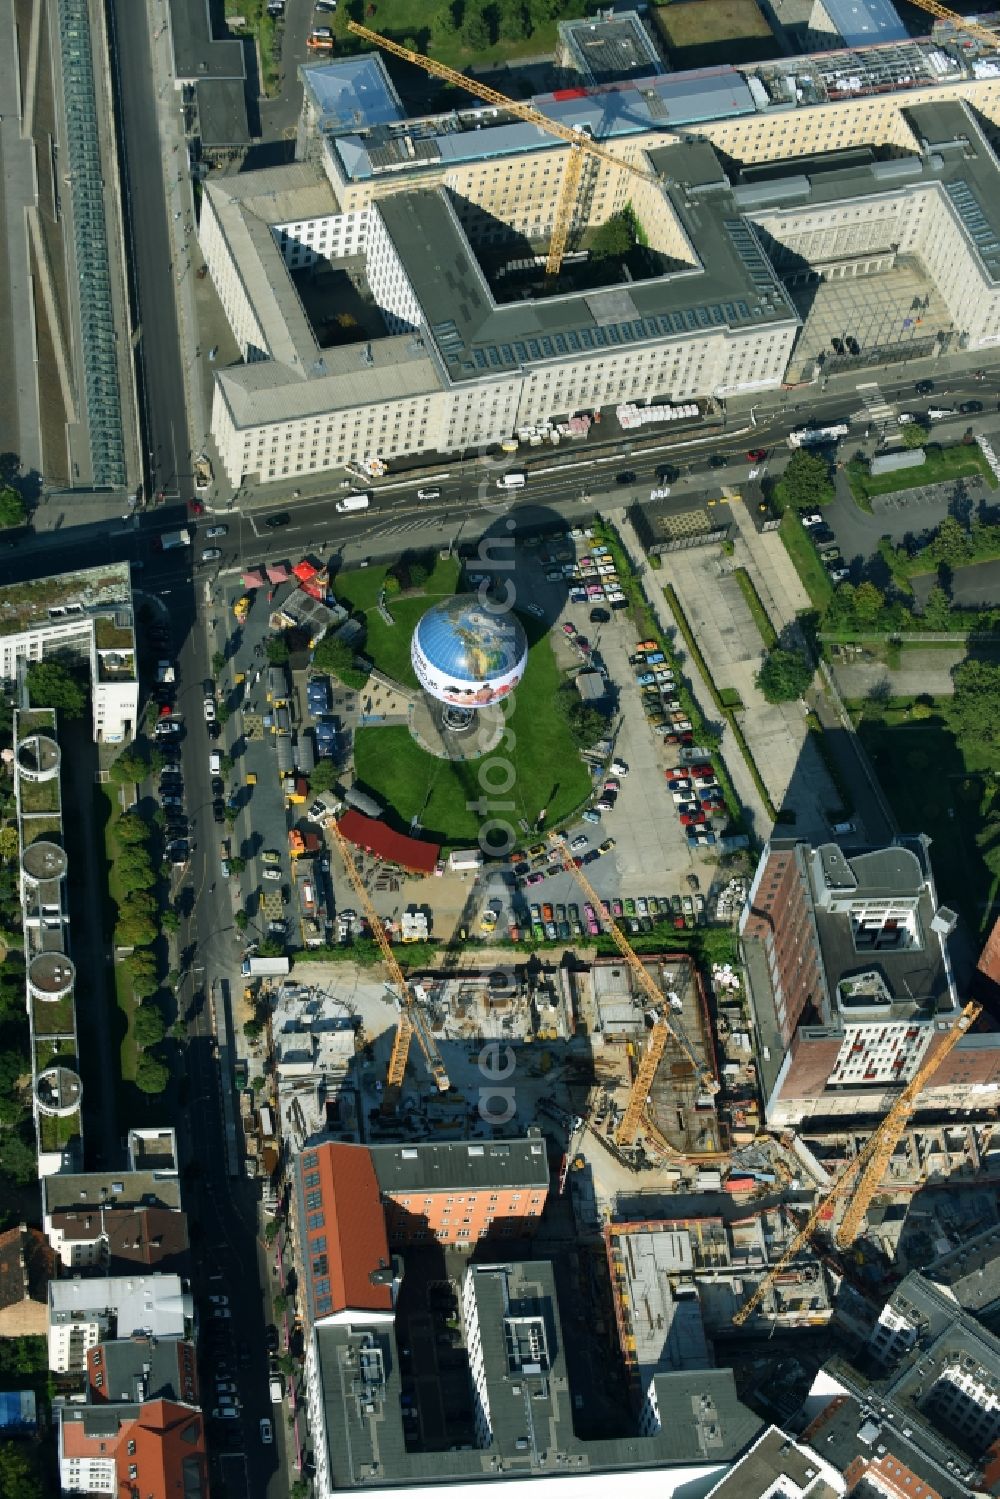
column 812, row 518
column 627, row 476
column 275, row 522
column 211, row 554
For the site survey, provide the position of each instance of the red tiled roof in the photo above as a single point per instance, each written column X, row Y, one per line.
column 169, row 1452
column 395, row 848
column 354, row 1229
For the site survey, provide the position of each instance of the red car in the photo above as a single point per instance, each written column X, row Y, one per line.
column 700, row 770
column 693, row 819
column 196, row 507
column 757, row 455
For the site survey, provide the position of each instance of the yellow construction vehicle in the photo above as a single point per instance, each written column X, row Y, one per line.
column 412, row 1021
column 579, row 140
column 663, row 1027
column 865, row 1172
column 242, row 608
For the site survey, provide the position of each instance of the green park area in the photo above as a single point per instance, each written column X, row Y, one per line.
column 938, row 761
column 471, row 34
column 388, row 646
column 963, row 461
column 545, row 766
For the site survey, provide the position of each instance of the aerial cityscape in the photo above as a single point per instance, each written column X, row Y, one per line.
column 499, row 749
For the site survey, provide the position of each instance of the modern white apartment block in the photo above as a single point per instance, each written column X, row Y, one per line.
column 87, row 614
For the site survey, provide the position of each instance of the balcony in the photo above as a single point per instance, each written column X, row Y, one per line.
column 38, row 758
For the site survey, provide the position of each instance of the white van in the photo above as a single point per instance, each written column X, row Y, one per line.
column 215, row 762
column 353, row 502
column 511, row 481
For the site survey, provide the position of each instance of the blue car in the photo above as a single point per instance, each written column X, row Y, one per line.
column 645, row 679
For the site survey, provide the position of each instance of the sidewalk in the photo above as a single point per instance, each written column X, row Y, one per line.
column 652, row 584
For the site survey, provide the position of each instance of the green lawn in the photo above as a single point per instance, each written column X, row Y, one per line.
column 426, row 29
column 937, row 785
column 961, row 461
column 805, row 559
column 547, row 768
column 389, row 645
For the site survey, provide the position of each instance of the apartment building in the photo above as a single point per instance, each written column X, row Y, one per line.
column 851, row 984
column 156, row 1449
column 778, row 1466
column 142, row 1368
column 521, row 1365
column 85, row 1214
column 918, row 1404
column 348, row 1273
column 460, row 1192
column 83, row 1313
column 87, row 614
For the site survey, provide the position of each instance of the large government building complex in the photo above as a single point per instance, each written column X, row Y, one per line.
column 386, row 294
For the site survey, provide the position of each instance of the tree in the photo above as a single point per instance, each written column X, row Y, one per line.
column 145, row 986
column 332, row 655
column 279, row 1303
column 515, row 22
column 218, row 663
column 130, row 766
column 322, row 777
column 17, row 1156
column 784, row 675
column 135, row 869
column 237, row 864
column 151, row 1075
column 936, row 613
column 19, row 1471
column 952, row 544
column 805, row 482
column 13, row 511
column 614, row 239
column 869, row 602
column 271, row 948
column 253, row 1029
column 170, row 921
column 8, row 842
column 585, row 723
column 975, row 708
column 148, row 1025
column 418, row 573
column 241, row 921
column 140, row 964
column 51, row 684
column 134, row 931
column 914, row 434
column 276, row 650
column 131, row 829
column 475, row 30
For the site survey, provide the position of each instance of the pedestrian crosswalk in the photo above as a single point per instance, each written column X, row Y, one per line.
column 989, row 454
column 881, row 414
column 400, row 528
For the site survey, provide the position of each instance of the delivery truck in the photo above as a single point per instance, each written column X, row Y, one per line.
column 352, row 502
column 171, row 540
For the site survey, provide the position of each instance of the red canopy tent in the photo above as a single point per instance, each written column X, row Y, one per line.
column 396, row 848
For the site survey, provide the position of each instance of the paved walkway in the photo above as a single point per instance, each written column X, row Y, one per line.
column 778, row 584
column 652, row 583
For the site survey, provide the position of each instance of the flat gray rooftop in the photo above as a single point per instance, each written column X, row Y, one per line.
column 457, row 1164
column 606, row 50
column 734, row 286
column 196, row 52
column 222, row 112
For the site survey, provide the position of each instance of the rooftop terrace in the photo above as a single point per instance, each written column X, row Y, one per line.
column 60, row 599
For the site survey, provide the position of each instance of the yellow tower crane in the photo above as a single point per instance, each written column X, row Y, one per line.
column 581, row 142
column 981, row 33
column 865, row 1172
column 411, row 1018
column 663, row 1028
